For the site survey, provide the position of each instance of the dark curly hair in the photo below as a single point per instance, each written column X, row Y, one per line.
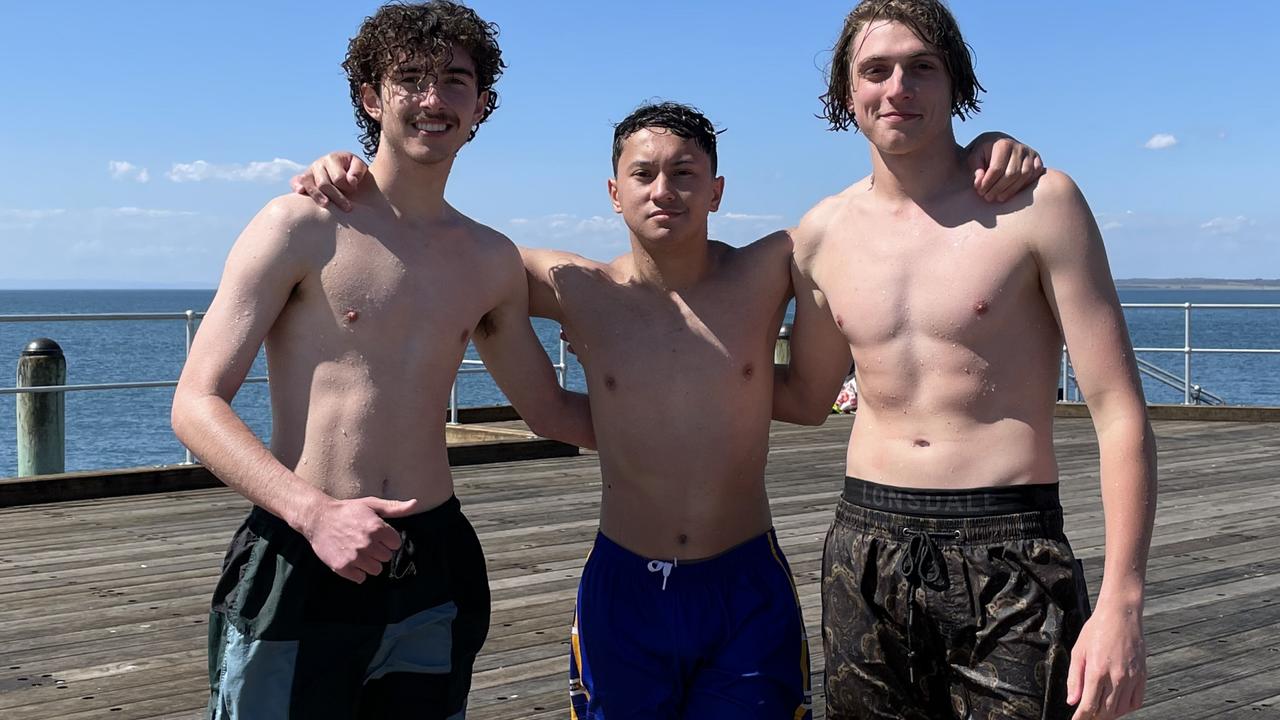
column 426, row 31
column 933, row 23
column 683, row 121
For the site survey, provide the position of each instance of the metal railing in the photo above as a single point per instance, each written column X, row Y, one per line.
column 1192, row 393
column 191, row 319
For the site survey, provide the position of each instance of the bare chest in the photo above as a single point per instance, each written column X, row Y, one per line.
column 370, row 292
column 629, row 339
column 961, row 285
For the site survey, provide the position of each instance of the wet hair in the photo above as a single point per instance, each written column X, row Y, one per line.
column 428, row 31
column 933, row 23
column 683, row 121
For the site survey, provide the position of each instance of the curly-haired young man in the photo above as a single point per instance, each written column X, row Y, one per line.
column 356, row 587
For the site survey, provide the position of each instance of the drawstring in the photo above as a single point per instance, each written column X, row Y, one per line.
column 665, row 567
column 401, row 563
column 923, row 565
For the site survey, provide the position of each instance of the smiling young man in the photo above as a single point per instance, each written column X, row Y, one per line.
column 949, row 589
column 356, row 587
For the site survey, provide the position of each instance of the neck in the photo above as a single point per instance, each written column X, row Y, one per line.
column 671, row 265
column 921, row 174
column 414, row 190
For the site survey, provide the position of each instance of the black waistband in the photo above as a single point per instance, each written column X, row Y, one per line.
column 965, row 503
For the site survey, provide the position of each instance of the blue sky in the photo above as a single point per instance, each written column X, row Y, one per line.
column 140, row 137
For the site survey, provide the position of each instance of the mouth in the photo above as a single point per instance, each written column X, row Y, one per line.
column 899, row 117
column 432, row 126
column 661, row 214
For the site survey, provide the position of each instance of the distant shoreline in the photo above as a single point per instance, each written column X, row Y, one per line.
column 1195, row 284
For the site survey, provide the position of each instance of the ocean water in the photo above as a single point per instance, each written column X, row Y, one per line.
column 127, row 428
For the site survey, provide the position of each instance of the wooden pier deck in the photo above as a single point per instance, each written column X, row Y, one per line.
column 103, row 603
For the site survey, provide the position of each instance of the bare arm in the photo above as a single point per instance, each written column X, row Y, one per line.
column 804, row 390
column 544, row 301
column 262, row 270
column 1077, row 283
column 519, row 364
column 260, row 273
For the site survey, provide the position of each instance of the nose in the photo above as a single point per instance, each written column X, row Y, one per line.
column 661, row 189
column 899, row 84
column 429, row 94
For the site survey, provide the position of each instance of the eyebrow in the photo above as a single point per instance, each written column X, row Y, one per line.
column 889, row 58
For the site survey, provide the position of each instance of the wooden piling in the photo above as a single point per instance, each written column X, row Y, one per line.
column 41, row 415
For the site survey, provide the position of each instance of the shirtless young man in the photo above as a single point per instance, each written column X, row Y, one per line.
column 949, row 589
column 366, row 318
column 686, row 606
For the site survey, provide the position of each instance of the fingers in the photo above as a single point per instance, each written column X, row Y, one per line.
column 1075, row 677
column 352, row 574
column 995, row 167
column 1011, row 179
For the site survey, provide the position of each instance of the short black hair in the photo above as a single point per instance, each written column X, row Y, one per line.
column 683, row 121
column 402, row 31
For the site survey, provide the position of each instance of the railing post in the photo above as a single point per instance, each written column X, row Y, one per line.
column 563, row 368
column 42, row 429
column 782, row 347
column 1065, row 387
column 453, row 402
column 1186, row 354
column 191, row 336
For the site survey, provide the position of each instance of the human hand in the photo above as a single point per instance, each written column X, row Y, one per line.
column 1108, row 675
column 350, row 537
column 332, row 177
column 1002, row 166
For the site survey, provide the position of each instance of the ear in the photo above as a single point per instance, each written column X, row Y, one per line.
column 613, row 196
column 481, row 101
column 717, row 192
column 371, row 99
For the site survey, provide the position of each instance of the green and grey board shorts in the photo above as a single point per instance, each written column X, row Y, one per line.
column 289, row 638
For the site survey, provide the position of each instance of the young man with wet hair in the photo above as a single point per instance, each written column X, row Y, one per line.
column 686, row 606
column 949, row 588
column 356, row 587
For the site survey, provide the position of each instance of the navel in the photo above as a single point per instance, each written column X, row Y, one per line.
column 609, row 382
column 921, row 443
column 682, row 539
column 748, row 371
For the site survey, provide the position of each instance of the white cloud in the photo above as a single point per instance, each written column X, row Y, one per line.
column 1226, row 225
column 1112, row 225
column 749, row 217
column 124, row 170
column 598, row 236
column 275, row 170
column 146, row 212
column 1160, row 141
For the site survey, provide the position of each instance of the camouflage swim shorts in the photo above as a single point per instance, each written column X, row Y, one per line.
column 949, row 611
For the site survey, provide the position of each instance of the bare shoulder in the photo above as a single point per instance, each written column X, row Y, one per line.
column 818, row 223
column 1057, row 214
column 289, row 227
column 772, row 250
